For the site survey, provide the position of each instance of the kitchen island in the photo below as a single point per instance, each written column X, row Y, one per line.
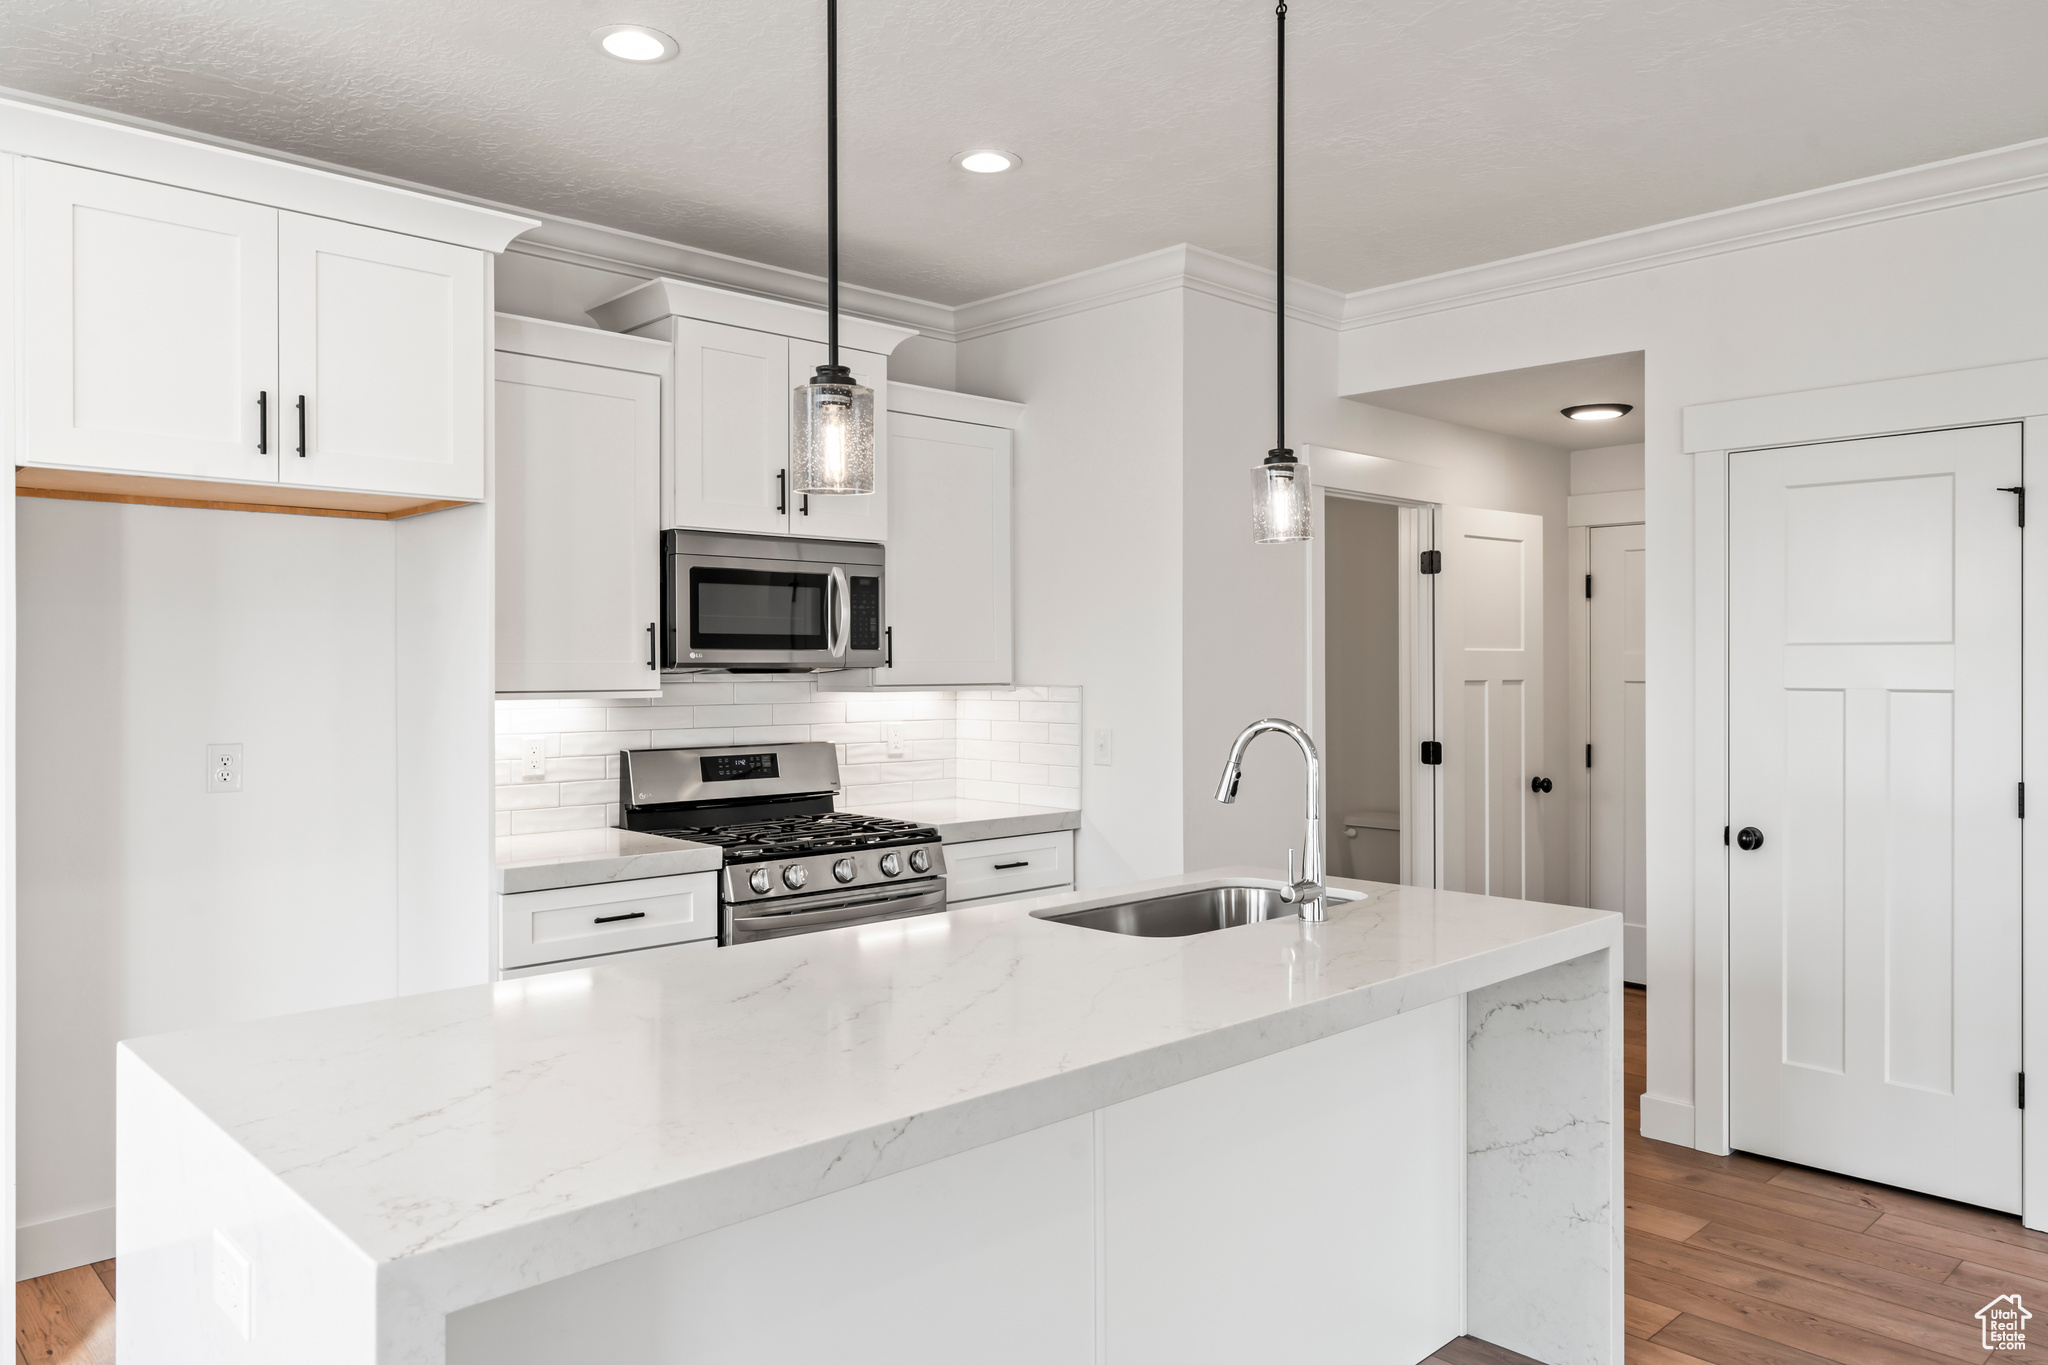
column 981, row 1135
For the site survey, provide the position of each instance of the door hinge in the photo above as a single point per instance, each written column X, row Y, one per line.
column 1432, row 752
column 2019, row 489
column 1589, row 755
column 2023, row 800
column 1589, row 587
column 1724, row 836
column 2023, row 1090
column 1432, row 561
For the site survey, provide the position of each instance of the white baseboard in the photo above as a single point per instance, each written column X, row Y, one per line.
column 1635, row 955
column 1667, row 1120
column 61, row 1243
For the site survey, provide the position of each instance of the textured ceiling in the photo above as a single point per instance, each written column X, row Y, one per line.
column 1427, row 134
column 1529, row 403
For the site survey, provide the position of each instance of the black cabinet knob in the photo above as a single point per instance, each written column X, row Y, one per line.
column 1539, row 784
column 1750, row 839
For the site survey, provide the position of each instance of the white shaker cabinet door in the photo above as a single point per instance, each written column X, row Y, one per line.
column 384, row 343
column 732, row 402
column 948, row 608
column 845, row 516
column 578, row 527
column 150, row 327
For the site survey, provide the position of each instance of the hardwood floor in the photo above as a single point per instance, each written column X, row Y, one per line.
column 1734, row 1260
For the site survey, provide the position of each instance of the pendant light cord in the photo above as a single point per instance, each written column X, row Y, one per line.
column 1280, row 237
column 832, row 179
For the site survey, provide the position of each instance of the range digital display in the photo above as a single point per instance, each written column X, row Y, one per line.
column 737, row 767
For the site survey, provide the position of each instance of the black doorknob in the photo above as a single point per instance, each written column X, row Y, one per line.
column 1749, row 839
column 1539, row 784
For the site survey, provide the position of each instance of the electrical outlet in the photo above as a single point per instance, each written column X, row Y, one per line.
column 892, row 735
column 231, row 1281
column 1102, row 749
column 536, row 761
column 223, row 767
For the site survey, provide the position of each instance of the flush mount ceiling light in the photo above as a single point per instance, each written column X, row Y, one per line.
column 635, row 43
column 1280, row 486
column 834, row 446
column 988, row 161
column 1597, row 412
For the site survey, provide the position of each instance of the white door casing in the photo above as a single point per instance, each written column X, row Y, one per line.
column 1615, row 695
column 948, row 603
column 731, row 397
column 1490, row 642
column 1874, row 740
column 578, row 526
column 154, row 317
column 385, row 338
column 844, row 516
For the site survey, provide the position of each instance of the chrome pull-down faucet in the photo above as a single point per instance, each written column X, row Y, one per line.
column 1310, row 890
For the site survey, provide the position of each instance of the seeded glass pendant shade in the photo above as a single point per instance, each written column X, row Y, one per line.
column 1281, row 491
column 832, row 441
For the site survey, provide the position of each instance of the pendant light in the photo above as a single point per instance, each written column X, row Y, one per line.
column 833, row 445
column 1280, row 486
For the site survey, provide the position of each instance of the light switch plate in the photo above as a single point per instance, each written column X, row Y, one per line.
column 231, row 1281
column 223, row 767
column 1103, row 754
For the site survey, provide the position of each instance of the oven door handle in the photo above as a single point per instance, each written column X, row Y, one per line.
column 875, row 908
column 839, row 613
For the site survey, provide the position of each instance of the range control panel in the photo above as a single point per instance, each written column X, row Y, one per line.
column 865, row 598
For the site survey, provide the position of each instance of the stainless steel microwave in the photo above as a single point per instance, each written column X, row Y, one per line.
column 771, row 604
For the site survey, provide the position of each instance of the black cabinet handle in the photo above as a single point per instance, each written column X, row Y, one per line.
column 652, row 662
column 1750, row 839
column 1539, row 785
column 1005, row 867
column 302, row 426
column 263, row 422
column 612, row 919
column 805, row 506
column 781, row 492
column 889, row 646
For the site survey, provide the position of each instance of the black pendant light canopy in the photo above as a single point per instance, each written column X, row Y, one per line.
column 832, row 445
column 1280, row 485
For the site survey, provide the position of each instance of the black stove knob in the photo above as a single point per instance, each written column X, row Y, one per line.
column 760, row 881
column 793, row 876
column 920, row 860
column 843, row 870
column 891, row 864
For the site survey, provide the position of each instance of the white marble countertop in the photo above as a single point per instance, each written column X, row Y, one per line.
column 960, row 821
column 477, row 1141
column 588, row 857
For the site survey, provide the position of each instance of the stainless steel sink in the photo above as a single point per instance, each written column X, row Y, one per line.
column 1182, row 912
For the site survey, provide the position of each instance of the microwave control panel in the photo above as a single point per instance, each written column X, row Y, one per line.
column 866, row 602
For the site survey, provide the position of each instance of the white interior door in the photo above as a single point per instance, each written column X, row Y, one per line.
column 383, row 338
column 1874, row 742
column 1615, row 725
column 847, row 516
column 1490, row 624
column 578, row 527
column 153, row 313
column 732, row 399
column 948, row 611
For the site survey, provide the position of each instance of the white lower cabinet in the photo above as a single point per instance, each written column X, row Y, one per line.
column 578, row 510
column 558, row 925
column 987, row 870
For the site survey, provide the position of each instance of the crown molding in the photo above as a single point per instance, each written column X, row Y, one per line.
column 2004, row 171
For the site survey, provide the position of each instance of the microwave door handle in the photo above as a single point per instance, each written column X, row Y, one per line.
column 839, row 611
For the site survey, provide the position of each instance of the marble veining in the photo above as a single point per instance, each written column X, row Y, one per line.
column 477, row 1141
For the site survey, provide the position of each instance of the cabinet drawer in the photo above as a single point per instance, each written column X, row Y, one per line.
column 579, row 921
column 999, row 867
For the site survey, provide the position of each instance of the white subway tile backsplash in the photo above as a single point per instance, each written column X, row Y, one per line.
column 993, row 745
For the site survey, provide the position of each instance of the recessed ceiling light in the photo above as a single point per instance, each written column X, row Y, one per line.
column 987, row 161
column 635, row 43
column 1597, row 412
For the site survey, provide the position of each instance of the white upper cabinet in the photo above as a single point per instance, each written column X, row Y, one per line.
column 383, row 345
column 948, row 612
column 149, row 327
column 845, row 516
column 732, row 404
column 578, row 509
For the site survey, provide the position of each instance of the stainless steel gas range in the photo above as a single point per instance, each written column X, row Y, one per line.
column 792, row 863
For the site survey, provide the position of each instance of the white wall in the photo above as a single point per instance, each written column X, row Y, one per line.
column 1872, row 297
column 1362, row 683
column 148, row 903
column 1607, row 469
